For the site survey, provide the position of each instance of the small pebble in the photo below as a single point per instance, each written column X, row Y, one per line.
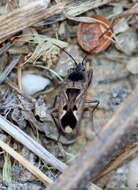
column 117, row 9
column 34, row 83
column 100, row 114
column 121, row 26
column 3, row 137
column 132, row 65
column 62, row 29
column 127, row 42
column 132, row 177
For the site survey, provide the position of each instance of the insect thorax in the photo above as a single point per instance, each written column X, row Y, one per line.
column 78, row 74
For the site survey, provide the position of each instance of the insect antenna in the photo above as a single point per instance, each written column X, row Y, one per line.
column 67, row 54
column 84, row 59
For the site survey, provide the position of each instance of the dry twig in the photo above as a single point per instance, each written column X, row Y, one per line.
column 35, row 171
column 16, row 20
column 8, row 69
column 31, row 144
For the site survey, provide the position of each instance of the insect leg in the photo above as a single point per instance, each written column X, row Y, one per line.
column 90, row 75
column 94, row 101
column 88, row 106
column 54, row 107
column 57, row 126
column 55, row 101
column 91, row 109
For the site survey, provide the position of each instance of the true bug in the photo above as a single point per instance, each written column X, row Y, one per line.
column 69, row 105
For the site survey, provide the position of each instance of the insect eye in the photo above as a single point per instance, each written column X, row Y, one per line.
column 75, row 108
column 65, row 107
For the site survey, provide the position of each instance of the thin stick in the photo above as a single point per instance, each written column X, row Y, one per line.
column 8, row 69
column 12, row 85
column 31, row 144
column 19, row 72
column 129, row 150
column 26, row 16
column 35, row 171
column 52, row 71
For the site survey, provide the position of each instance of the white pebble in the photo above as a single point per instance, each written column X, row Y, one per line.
column 118, row 10
column 127, row 42
column 33, row 83
column 132, row 65
column 132, row 178
column 121, row 26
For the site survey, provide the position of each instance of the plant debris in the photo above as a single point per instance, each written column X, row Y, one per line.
column 34, row 70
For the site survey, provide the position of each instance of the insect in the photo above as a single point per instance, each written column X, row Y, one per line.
column 69, row 105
